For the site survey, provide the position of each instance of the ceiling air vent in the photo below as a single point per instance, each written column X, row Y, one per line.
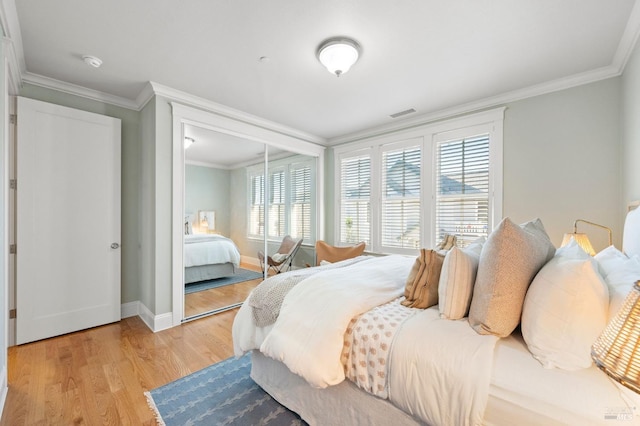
column 402, row 113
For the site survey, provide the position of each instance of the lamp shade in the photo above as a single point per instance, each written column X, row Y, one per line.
column 617, row 350
column 338, row 55
column 582, row 240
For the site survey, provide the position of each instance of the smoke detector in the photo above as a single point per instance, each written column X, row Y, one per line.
column 92, row 61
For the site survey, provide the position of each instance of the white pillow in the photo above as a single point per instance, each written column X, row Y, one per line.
column 610, row 260
column 564, row 312
column 457, row 277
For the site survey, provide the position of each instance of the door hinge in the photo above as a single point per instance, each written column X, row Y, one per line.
column 13, row 184
column 13, row 249
column 13, row 118
column 12, row 313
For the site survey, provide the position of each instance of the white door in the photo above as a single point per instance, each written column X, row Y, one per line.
column 67, row 220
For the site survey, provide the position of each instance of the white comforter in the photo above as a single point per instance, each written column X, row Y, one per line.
column 439, row 369
column 207, row 249
column 308, row 335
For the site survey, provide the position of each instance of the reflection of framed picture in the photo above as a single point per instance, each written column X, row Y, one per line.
column 207, row 220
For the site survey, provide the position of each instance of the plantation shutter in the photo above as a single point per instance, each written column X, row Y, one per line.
column 277, row 203
column 301, row 201
column 256, row 214
column 462, row 192
column 400, row 202
column 355, row 203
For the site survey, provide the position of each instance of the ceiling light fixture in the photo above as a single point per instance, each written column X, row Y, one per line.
column 338, row 54
column 188, row 142
column 92, row 61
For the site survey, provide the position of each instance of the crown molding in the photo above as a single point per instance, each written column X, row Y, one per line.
column 490, row 102
column 15, row 76
column 207, row 164
column 628, row 40
column 74, row 89
column 216, row 108
column 11, row 28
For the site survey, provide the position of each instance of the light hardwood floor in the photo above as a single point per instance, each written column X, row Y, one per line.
column 98, row 376
column 216, row 298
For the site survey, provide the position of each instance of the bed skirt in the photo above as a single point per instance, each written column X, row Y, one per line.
column 194, row 274
column 344, row 404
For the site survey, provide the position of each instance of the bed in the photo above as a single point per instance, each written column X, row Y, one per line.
column 209, row 256
column 437, row 371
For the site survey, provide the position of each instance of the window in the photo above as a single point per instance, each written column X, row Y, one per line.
column 462, row 189
column 355, row 194
column 256, row 204
column 400, row 199
column 277, row 205
column 291, row 200
column 406, row 190
column 301, row 201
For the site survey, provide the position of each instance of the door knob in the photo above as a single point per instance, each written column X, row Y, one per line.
column 115, row 245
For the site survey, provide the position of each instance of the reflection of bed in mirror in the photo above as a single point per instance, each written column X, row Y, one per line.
column 209, row 256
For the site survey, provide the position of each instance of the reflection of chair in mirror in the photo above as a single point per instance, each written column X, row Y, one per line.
column 328, row 253
column 283, row 259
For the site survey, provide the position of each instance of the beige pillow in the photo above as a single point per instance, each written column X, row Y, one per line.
column 509, row 261
column 421, row 290
column 457, row 278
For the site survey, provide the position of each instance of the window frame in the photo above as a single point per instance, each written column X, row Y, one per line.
column 489, row 122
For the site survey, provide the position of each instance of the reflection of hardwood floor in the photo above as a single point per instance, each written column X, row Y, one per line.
column 216, row 298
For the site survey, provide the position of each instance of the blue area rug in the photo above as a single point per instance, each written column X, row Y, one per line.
column 221, row 394
column 242, row 275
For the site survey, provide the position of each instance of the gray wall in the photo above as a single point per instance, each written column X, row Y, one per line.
column 208, row 188
column 561, row 160
column 631, row 129
column 146, row 212
column 131, row 159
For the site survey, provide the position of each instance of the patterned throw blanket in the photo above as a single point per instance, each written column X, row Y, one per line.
column 266, row 299
column 367, row 345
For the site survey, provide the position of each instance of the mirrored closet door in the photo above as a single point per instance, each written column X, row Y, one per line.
column 218, row 273
column 242, row 186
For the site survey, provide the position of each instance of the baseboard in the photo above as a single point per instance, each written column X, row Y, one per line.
column 250, row 260
column 4, row 388
column 154, row 322
column 128, row 310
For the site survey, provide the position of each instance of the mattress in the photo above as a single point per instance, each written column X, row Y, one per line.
column 209, row 249
column 524, row 393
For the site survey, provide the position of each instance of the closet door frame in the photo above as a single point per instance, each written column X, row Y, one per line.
column 182, row 115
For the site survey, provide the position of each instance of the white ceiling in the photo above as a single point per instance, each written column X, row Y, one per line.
column 211, row 148
column 430, row 55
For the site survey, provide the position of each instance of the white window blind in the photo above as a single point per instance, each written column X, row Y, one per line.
column 256, row 206
column 462, row 192
column 355, row 203
column 400, row 201
column 301, row 201
column 277, row 203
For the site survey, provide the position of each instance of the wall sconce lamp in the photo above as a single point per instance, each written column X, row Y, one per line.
column 582, row 239
column 616, row 351
column 207, row 220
